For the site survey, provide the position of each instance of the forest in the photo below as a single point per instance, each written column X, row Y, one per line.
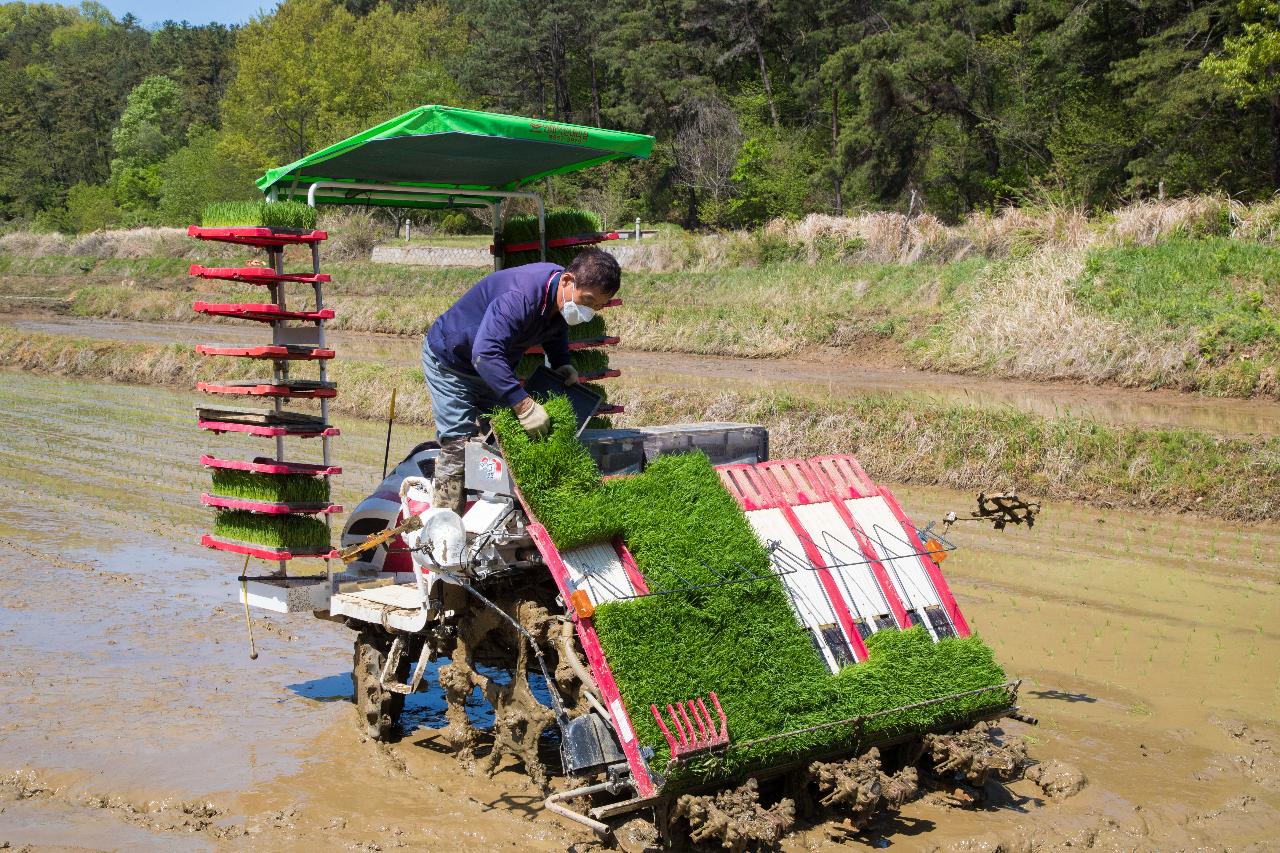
column 762, row 108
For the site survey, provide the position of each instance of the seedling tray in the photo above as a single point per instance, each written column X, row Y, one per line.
column 268, row 507
column 269, row 431
column 263, row 313
column 587, row 343
column 270, row 351
column 267, row 465
column 258, row 416
column 558, row 243
column 604, row 374
column 257, row 275
column 267, row 238
column 306, row 389
column 263, row 552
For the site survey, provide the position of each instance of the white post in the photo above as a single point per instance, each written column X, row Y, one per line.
column 637, row 227
column 408, row 229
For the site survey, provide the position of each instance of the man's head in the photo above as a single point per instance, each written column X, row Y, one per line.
column 591, row 279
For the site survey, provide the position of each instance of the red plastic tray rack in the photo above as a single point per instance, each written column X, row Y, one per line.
column 264, row 313
column 263, row 552
column 267, row 238
column 267, row 465
column 586, row 343
column 257, row 275
column 268, row 351
column 558, row 242
column 267, row 388
column 269, row 430
column 610, row 410
column 604, row 374
column 269, row 507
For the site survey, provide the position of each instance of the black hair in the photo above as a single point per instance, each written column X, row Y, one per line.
column 596, row 269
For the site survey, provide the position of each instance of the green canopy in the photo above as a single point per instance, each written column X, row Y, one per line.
column 436, row 147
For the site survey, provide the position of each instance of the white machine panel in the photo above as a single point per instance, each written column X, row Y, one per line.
column 836, row 543
column 598, row 570
column 897, row 555
column 801, row 582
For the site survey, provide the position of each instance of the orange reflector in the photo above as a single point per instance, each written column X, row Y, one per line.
column 936, row 551
column 582, row 604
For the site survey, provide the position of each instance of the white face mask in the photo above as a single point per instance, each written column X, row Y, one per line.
column 574, row 313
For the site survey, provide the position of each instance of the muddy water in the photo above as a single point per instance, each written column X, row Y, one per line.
column 828, row 375
column 1149, row 648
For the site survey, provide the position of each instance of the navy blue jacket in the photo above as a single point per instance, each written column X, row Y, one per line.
column 503, row 314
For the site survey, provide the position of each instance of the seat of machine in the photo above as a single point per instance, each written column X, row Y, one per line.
column 401, row 596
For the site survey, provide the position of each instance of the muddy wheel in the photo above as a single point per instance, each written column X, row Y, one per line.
column 377, row 710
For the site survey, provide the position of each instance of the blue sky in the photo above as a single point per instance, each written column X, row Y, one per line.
column 151, row 12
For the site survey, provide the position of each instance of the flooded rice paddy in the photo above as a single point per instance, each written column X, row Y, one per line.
column 131, row 717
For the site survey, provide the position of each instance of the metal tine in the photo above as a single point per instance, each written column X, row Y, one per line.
column 713, row 571
column 702, row 727
column 710, row 722
column 693, row 735
column 684, row 739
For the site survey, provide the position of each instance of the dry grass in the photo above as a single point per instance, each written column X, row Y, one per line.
column 353, row 232
column 1025, row 323
column 898, row 439
column 1147, row 222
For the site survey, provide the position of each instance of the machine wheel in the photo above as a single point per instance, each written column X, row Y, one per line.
column 378, row 710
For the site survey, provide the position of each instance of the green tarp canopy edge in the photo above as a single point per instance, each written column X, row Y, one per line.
column 438, row 147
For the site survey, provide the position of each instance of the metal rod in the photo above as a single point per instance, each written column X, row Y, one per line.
column 418, row 193
column 391, row 416
column 553, row 805
column 248, row 623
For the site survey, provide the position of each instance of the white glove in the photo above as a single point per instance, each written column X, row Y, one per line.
column 533, row 418
column 568, row 373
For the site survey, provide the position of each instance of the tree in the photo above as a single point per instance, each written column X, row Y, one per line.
column 1248, row 68
column 199, row 173
column 149, row 131
column 312, row 73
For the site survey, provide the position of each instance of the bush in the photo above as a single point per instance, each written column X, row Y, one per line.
column 90, row 207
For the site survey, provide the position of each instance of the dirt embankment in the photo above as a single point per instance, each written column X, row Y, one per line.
column 899, row 439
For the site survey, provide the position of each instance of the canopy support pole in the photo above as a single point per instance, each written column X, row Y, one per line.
column 496, row 208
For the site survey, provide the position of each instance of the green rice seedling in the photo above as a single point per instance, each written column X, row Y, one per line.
column 564, row 222
column 589, row 362
column 593, row 328
column 275, row 488
column 273, row 531
column 278, row 214
column 741, row 640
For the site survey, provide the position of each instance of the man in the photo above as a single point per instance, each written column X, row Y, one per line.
column 471, row 350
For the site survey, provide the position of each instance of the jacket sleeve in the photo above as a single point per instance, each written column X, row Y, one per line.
column 557, row 348
column 502, row 322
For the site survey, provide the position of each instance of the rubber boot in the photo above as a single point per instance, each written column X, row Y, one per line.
column 450, row 476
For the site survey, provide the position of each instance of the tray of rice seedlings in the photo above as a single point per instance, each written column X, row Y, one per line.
column 561, row 223
column 279, row 537
column 282, row 215
column 269, row 225
column 269, row 493
column 741, row 638
column 590, row 363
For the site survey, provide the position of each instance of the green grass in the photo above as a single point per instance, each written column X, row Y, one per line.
column 741, row 641
column 274, row 488
column 280, row 214
column 273, row 531
column 1226, row 292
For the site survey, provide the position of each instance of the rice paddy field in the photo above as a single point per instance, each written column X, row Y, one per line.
column 1145, row 641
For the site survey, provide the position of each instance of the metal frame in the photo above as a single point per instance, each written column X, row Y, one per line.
column 396, row 192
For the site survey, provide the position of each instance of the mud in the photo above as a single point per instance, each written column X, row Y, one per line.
column 820, row 373
column 134, row 720
column 734, row 819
